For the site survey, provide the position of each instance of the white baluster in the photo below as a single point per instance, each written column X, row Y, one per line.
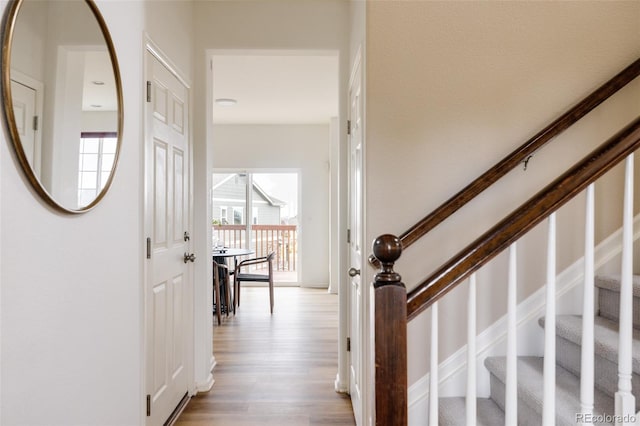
column 549, row 403
column 471, row 354
column 625, row 403
column 433, row 375
column 511, row 385
column 586, row 362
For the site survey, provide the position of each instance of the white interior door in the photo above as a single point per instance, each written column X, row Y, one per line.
column 355, row 243
column 26, row 112
column 168, row 285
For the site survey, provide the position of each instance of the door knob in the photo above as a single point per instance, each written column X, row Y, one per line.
column 353, row 272
column 189, row 257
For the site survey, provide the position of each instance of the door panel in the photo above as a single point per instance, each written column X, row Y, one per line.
column 168, row 303
column 178, row 326
column 178, row 196
column 355, row 244
column 160, row 194
column 159, row 339
column 178, row 115
column 159, row 101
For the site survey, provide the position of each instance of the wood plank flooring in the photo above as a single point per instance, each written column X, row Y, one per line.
column 275, row 369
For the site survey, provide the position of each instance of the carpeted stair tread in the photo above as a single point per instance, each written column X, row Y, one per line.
column 612, row 282
column 530, row 390
column 569, row 327
column 451, row 412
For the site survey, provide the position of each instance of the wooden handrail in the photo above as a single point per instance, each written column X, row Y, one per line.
column 523, row 219
column 518, row 156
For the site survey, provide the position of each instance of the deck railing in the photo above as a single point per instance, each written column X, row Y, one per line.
column 281, row 239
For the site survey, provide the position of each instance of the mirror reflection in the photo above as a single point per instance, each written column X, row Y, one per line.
column 65, row 99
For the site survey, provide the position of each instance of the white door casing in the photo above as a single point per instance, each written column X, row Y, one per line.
column 26, row 94
column 168, row 283
column 356, row 294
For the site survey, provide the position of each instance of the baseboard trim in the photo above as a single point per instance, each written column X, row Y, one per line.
column 208, row 383
column 205, row 386
column 340, row 386
column 276, row 284
column 452, row 371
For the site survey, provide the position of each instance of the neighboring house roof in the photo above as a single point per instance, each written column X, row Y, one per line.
column 270, row 199
column 221, row 179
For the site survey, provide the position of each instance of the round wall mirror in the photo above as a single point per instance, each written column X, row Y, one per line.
column 62, row 99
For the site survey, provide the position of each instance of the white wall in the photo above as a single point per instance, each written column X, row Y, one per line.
column 99, row 121
column 70, row 284
column 29, row 40
column 170, row 26
column 301, row 147
column 288, row 24
column 71, row 296
column 454, row 86
column 334, row 205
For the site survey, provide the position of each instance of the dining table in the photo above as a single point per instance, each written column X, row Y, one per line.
column 221, row 253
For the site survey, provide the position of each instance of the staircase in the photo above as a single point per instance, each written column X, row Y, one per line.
column 530, row 371
column 520, row 400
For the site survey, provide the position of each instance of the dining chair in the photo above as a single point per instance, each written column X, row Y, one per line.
column 239, row 276
column 221, row 271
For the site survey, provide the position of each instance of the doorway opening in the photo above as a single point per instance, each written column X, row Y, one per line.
column 277, row 111
column 284, row 110
column 259, row 211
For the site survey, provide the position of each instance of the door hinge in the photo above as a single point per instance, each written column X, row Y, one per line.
column 148, row 248
column 35, row 123
column 348, row 236
column 148, row 405
column 148, row 91
column 348, row 344
column 348, row 127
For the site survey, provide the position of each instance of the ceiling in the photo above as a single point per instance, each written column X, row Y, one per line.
column 99, row 85
column 275, row 88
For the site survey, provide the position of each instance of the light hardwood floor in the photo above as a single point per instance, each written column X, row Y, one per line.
column 275, row 369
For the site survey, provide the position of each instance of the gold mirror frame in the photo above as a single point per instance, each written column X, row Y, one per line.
column 8, row 29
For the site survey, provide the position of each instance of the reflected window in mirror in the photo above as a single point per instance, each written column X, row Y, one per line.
column 96, row 157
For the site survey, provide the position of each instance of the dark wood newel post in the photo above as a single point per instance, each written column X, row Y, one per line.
column 390, row 335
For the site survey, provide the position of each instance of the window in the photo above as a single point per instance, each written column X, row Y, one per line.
column 238, row 216
column 95, row 161
column 223, row 216
column 261, row 212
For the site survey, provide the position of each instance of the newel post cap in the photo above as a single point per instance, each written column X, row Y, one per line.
column 387, row 249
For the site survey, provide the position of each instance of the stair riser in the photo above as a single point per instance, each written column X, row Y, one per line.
column 526, row 415
column 609, row 302
column 452, row 412
column 606, row 372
